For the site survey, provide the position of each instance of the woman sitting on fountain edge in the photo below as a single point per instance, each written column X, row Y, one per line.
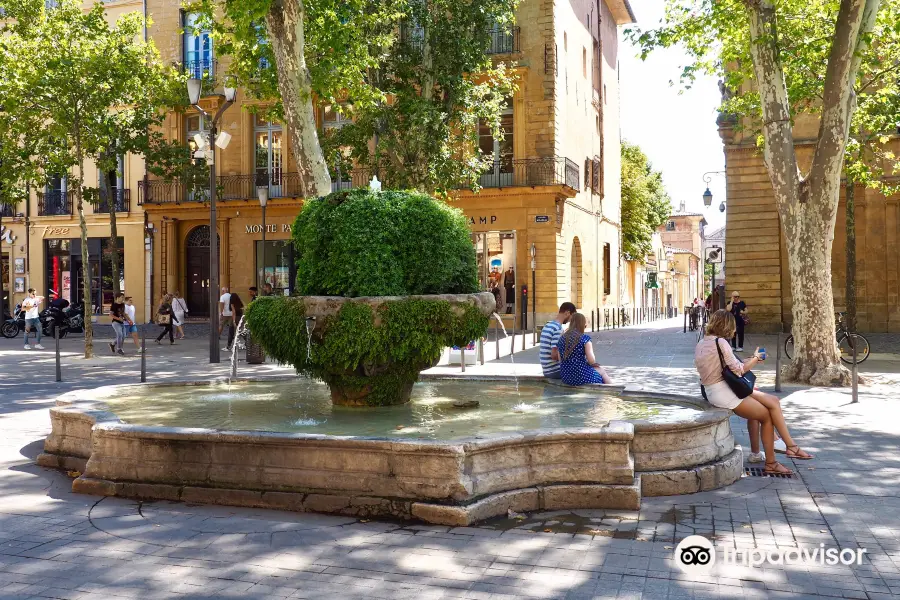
column 577, row 363
column 758, row 406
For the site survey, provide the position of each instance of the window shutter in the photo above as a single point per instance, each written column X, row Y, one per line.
column 595, row 176
column 587, row 174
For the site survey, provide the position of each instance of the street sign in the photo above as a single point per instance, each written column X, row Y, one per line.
column 713, row 255
column 541, row 218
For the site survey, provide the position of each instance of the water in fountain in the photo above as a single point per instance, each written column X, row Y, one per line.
column 310, row 326
column 512, row 357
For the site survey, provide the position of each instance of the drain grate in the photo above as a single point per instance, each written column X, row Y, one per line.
column 761, row 472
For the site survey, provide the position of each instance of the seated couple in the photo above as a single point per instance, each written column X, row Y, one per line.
column 570, row 356
column 762, row 411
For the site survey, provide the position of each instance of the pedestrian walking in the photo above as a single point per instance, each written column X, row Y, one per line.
column 32, row 307
column 738, row 308
column 179, row 311
column 226, row 318
column 117, row 312
column 131, row 322
column 164, row 319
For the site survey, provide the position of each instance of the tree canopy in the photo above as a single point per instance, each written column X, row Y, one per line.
column 645, row 203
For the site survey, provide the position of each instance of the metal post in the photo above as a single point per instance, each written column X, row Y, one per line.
column 512, row 338
column 264, row 243
column 462, row 358
column 481, row 350
column 778, row 363
column 58, row 364
column 685, row 321
column 855, row 373
column 214, row 291
column 497, row 337
column 592, row 320
column 144, row 353
column 533, row 304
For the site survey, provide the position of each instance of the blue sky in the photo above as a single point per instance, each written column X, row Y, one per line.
column 676, row 128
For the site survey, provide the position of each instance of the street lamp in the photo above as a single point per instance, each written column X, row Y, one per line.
column 195, row 87
column 707, row 195
column 262, row 191
column 533, row 295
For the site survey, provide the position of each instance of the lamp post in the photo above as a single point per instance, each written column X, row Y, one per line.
column 194, row 88
column 707, row 195
column 263, row 192
column 533, row 296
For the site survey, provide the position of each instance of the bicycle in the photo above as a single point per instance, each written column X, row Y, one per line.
column 846, row 341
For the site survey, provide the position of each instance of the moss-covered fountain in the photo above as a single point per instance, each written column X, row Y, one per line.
column 387, row 282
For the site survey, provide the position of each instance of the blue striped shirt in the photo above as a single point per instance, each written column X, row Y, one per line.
column 549, row 337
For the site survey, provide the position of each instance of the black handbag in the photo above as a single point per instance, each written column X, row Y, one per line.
column 741, row 385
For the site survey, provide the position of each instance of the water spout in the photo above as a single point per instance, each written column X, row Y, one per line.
column 512, row 357
column 310, row 327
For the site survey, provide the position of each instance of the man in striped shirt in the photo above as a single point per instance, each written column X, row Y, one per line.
column 550, row 336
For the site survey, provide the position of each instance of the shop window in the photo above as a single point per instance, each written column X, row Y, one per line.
column 275, row 265
column 4, row 281
column 607, row 270
column 64, row 271
column 495, row 256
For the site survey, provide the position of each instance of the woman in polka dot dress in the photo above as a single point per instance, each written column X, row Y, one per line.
column 578, row 365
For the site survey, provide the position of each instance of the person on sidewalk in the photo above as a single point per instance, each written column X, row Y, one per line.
column 753, row 430
column 179, row 311
column 738, row 308
column 254, row 293
column 131, row 322
column 117, row 312
column 32, row 307
column 577, row 365
column 758, row 406
column 226, row 318
column 550, row 337
column 164, row 319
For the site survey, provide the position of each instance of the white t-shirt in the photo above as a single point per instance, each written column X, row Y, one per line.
column 226, row 304
column 129, row 312
column 31, row 306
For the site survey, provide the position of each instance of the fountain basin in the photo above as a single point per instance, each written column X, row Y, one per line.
column 424, row 474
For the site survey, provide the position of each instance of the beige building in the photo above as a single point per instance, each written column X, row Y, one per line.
column 757, row 261
column 553, row 191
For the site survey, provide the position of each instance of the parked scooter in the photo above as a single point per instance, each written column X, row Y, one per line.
column 69, row 318
column 13, row 326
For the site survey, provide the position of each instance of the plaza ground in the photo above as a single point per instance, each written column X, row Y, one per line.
column 55, row 544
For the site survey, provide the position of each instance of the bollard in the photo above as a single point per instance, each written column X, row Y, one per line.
column 144, row 353
column 58, row 364
column 778, row 364
column 462, row 358
column 481, row 349
column 512, row 338
column 592, row 320
column 685, row 322
column 855, row 372
column 497, row 339
column 523, row 338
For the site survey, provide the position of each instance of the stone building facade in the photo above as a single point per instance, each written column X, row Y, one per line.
column 757, row 261
column 553, row 195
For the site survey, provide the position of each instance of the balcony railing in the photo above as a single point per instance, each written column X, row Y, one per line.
column 530, row 172
column 122, row 199
column 201, row 68
column 7, row 211
column 55, row 202
column 504, row 41
column 240, row 187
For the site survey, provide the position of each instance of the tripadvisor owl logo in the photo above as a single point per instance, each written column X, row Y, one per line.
column 695, row 555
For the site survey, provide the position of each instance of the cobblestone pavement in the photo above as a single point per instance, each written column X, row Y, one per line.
column 55, row 544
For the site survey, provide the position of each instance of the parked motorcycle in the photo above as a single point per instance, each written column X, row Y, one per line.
column 13, row 326
column 68, row 318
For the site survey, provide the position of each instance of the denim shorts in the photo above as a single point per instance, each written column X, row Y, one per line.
column 131, row 329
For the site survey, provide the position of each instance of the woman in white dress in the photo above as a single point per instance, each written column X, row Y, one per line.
column 758, row 406
column 179, row 310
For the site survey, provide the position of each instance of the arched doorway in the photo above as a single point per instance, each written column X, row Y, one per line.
column 196, row 289
column 575, row 295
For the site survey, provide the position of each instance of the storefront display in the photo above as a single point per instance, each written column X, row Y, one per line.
column 275, row 266
column 64, row 271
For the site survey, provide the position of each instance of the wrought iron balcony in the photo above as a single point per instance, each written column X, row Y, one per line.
column 531, row 172
column 239, row 187
column 55, row 202
column 201, row 68
column 122, row 199
column 504, row 41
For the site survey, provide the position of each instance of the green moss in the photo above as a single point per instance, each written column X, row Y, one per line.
column 392, row 243
column 358, row 349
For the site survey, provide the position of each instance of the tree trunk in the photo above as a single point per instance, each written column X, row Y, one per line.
column 85, row 257
column 808, row 206
column 285, row 24
column 851, row 255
